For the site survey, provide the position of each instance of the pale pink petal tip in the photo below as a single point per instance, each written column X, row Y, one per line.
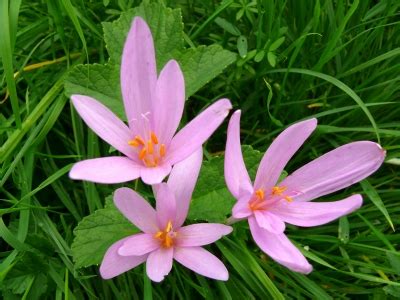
column 155, row 175
column 279, row 248
column 202, row 262
column 281, row 151
column 335, row 170
column 138, row 74
column 159, row 263
column 114, row 264
column 106, row 170
column 236, row 176
column 307, row 214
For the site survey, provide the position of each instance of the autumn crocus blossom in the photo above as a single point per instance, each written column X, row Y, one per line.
column 268, row 204
column 163, row 238
column 154, row 107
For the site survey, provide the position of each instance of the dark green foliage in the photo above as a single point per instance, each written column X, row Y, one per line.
column 335, row 60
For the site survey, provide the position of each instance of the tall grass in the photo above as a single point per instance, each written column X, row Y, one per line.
column 339, row 61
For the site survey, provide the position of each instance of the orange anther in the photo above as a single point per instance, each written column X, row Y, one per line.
column 162, row 150
column 168, row 241
column 133, row 143
column 154, row 138
column 167, row 236
column 149, row 163
column 168, row 228
column 260, row 194
column 150, row 148
column 288, row 199
column 142, row 153
column 139, row 139
column 278, row 190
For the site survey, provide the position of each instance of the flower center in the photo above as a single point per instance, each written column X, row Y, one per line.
column 167, row 236
column 149, row 151
column 258, row 201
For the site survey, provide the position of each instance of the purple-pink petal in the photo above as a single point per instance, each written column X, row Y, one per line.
column 136, row 209
column 159, row 263
column 139, row 244
column 201, row 234
column 138, row 74
column 241, row 209
column 196, row 132
column 170, row 100
column 165, row 206
column 269, row 221
column 308, row 214
column 280, row 152
column 279, row 248
column 236, row 176
column 155, row 175
column 109, row 170
column 202, row 262
column 104, row 123
column 114, row 264
column 182, row 181
column 335, row 170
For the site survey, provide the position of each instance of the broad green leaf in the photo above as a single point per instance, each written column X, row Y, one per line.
column 199, row 65
column 165, row 24
column 98, row 81
column 202, row 64
column 29, row 269
column 96, row 233
column 211, row 200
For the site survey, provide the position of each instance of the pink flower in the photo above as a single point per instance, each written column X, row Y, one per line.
column 154, row 108
column 163, row 238
column 268, row 205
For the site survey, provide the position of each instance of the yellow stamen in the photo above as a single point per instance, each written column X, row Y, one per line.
column 158, row 234
column 288, row 199
column 167, row 236
column 278, row 190
column 150, row 148
column 169, row 226
column 139, row 139
column 133, row 143
column 258, row 201
column 168, row 241
column 142, row 153
column 162, row 150
column 260, row 194
column 154, row 138
column 149, row 163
